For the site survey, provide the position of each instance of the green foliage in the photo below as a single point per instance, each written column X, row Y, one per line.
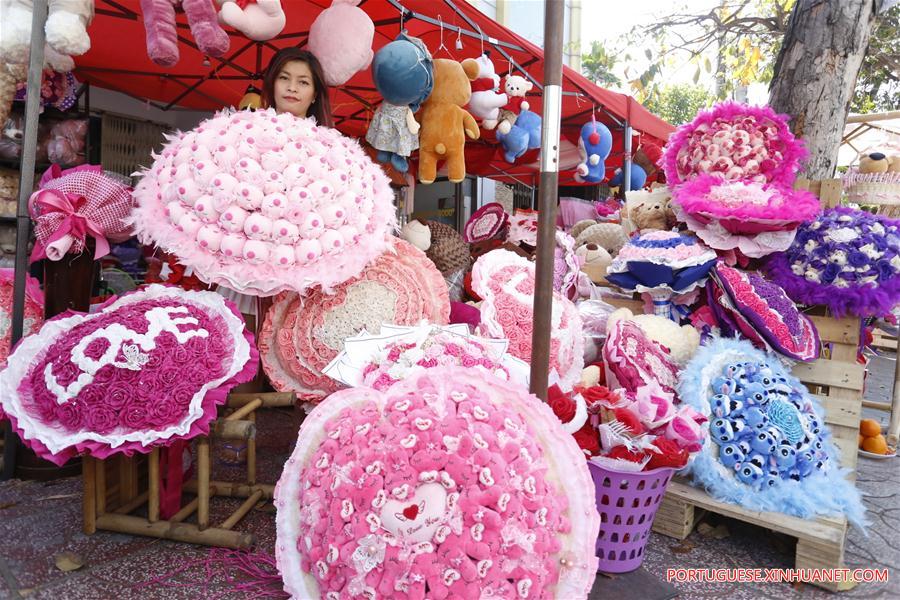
column 598, row 64
column 878, row 82
column 679, row 103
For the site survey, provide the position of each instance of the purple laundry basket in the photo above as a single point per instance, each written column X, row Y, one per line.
column 627, row 504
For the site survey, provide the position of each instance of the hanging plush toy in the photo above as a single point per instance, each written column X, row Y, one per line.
column 523, row 136
column 341, row 38
column 594, row 145
column 486, row 101
column 66, row 37
column 404, row 75
column 516, row 87
column 638, row 177
column 445, row 124
column 162, row 37
column 259, row 20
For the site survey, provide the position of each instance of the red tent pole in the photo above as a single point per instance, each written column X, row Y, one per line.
column 547, row 195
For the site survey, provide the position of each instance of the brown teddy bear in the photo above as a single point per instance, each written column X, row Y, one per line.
column 650, row 209
column 878, row 162
column 445, row 124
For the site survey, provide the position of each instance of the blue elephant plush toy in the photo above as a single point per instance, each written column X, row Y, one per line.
column 638, row 177
column 523, row 136
column 403, row 73
column 594, row 145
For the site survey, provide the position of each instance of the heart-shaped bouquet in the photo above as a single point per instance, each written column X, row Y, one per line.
column 148, row 368
column 441, row 485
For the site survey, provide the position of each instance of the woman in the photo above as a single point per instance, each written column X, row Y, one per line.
column 294, row 84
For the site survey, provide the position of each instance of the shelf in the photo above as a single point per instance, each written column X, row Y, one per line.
column 14, row 164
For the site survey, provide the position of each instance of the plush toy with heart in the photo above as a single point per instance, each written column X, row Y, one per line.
column 439, row 483
column 486, row 101
column 259, row 20
column 341, row 38
column 149, row 368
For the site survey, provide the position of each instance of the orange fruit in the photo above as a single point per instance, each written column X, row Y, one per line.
column 875, row 445
column 870, row 427
column 859, row 442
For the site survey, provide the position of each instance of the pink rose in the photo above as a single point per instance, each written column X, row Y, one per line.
column 183, row 394
column 181, row 354
column 65, row 373
column 166, row 341
column 653, row 406
column 101, row 419
column 92, row 395
column 165, row 412
column 135, row 415
column 69, row 415
column 685, row 429
column 168, row 376
column 117, row 395
column 105, row 374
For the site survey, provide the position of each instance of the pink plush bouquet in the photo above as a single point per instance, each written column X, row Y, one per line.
column 485, row 223
column 301, row 335
column 440, row 485
column 148, row 369
column 75, row 204
column 506, row 282
column 732, row 170
column 264, row 203
column 631, row 359
column 34, row 310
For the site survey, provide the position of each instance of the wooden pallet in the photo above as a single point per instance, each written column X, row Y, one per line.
column 837, row 382
column 118, row 486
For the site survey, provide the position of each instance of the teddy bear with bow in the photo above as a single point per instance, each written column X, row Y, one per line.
column 486, row 101
column 515, row 87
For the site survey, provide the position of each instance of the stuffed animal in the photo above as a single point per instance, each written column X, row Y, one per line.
column 418, row 234
column 594, row 261
column 609, row 236
column 67, row 140
column 65, row 30
column 445, row 124
column 878, row 162
column 341, row 38
column 260, row 20
column 647, row 157
column 11, row 137
column 486, row 101
column 523, row 136
column 404, row 75
column 649, row 210
column 594, row 145
column 580, row 226
column 162, row 37
column 638, row 177
column 515, row 87
column 681, row 341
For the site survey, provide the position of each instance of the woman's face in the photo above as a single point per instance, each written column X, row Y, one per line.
column 295, row 90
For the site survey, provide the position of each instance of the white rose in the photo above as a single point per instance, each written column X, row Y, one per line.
column 841, row 283
column 869, row 279
column 810, row 245
column 839, row 257
column 797, row 269
column 877, row 228
column 812, row 275
column 869, row 250
column 895, row 263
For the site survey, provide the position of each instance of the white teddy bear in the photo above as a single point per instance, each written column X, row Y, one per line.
column 486, row 101
column 66, row 30
column 515, row 87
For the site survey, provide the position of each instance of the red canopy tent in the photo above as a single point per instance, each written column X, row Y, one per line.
column 118, row 61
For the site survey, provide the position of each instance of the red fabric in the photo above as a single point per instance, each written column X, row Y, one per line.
column 118, row 60
column 171, row 476
column 515, row 104
column 484, row 84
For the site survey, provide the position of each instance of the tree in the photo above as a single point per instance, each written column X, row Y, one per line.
column 597, row 65
column 738, row 41
column 815, row 73
column 679, row 103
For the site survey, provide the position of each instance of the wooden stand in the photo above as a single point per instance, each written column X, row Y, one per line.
column 837, row 382
column 118, row 486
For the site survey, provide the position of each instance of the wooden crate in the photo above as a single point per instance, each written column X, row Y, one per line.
column 118, row 486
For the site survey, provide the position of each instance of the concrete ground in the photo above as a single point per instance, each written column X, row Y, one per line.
column 38, row 521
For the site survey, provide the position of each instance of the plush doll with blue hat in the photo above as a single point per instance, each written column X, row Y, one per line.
column 523, row 136
column 403, row 73
column 594, row 145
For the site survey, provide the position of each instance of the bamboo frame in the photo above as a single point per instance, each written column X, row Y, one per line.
column 108, row 507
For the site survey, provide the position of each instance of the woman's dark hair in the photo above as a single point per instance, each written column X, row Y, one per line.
column 321, row 106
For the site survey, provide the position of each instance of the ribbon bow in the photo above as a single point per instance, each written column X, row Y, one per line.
column 75, row 225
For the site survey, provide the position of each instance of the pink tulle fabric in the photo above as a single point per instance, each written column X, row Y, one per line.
column 442, row 485
column 147, row 369
column 34, row 311
column 632, row 359
column 734, row 142
column 302, row 334
column 264, row 203
column 506, row 282
column 745, row 208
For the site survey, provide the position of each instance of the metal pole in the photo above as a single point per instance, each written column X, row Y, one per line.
column 626, row 160
column 548, row 192
column 26, row 182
